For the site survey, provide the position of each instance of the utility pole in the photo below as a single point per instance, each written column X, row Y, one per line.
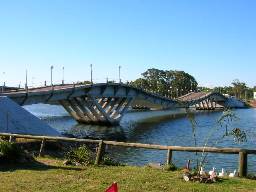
column 63, row 75
column 26, row 84
column 119, row 73
column 4, row 81
column 51, row 75
column 3, row 86
column 91, row 72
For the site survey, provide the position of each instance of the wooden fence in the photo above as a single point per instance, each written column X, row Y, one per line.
column 243, row 153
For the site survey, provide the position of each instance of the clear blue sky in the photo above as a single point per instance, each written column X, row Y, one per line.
column 215, row 40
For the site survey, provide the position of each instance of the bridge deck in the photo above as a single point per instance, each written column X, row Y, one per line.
column 192, row 96
column 107, row 102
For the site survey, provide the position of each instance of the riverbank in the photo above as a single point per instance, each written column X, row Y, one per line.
column 51, row 175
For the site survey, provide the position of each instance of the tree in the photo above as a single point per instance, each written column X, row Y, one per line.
column 167, row 83
column 239, row 88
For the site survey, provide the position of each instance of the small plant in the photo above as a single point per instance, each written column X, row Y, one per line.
column 170, row 167
column 223, row 124
column 81, row 155
column 10, row 152
column 109, row 161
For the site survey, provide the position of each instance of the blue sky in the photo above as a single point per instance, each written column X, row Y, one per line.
column 212, row 40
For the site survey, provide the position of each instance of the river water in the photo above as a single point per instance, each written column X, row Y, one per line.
column 164, row 131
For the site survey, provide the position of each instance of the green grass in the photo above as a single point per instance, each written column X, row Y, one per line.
column 50, row 175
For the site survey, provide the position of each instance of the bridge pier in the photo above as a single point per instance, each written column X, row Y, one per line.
column 208, row 104
column 90, row 110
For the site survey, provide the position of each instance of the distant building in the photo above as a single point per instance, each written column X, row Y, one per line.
column 254, row 95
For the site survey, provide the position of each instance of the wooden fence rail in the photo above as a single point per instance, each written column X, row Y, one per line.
column 243, row 153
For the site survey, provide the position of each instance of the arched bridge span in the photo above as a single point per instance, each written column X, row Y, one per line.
column 204, row 101
column 103, row 103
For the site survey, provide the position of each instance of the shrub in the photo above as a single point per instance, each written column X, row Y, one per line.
column 10, row 152
column 82, row 155
column 170, row 167
column 109, row 161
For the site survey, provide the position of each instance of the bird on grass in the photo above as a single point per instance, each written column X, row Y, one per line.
column 232, row 174
column 222, row 173
column 212, row 171
column 201, row 172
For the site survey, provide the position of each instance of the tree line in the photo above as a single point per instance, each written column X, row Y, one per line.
column 237, row 88
column 174, row 83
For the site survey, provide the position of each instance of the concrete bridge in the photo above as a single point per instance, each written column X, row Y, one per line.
column 105, row 103
column 204, row 101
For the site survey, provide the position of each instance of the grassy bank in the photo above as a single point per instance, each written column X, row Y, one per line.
column 51, row 175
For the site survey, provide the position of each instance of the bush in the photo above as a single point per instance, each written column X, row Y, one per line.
column 109, row 161
column 170, row 167
column 82, row 155
column 10, row 152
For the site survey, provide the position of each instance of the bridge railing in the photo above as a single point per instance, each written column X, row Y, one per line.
column 243, row 153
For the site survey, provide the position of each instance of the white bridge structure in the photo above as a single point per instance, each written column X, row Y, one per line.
column 106, row 103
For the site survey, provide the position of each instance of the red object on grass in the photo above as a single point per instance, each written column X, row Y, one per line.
column 112, row 188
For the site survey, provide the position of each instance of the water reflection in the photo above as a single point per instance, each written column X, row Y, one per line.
column 98, row 132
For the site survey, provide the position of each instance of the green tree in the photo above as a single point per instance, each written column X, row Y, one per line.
column 239, row 88
column 167, row 83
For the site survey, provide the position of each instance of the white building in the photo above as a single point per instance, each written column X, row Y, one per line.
column 254, row 95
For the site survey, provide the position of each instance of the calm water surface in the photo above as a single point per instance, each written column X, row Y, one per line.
column 160, row 131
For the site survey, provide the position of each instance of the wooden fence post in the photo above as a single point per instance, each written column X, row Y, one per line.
column 100, row 152
column 12, row 139
column 41, row 147
column 169, row 157
column 242, row 164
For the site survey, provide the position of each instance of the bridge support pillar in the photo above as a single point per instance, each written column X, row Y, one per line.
column 91, row 110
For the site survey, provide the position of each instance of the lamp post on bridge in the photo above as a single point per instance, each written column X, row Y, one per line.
column 119, row 73
column 3, row 86
column 91, row 72
column 26, row 83
column 63, row 75
column 51, row 75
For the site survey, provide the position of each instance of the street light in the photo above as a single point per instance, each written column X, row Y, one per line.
column 63, row 75
column 26, row 84
column 3, row 82
column 51, row 75
column 91, row 72
column 119, row 73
